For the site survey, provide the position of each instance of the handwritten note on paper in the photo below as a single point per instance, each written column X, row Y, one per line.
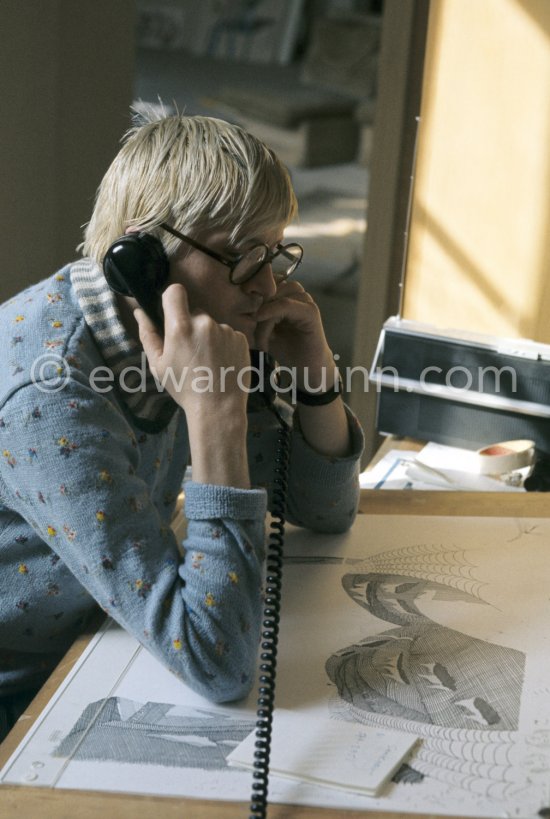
column 344, row 755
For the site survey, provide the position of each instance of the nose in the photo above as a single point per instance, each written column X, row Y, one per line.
column 262, row 283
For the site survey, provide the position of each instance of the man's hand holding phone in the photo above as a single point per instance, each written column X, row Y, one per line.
column 203, row 366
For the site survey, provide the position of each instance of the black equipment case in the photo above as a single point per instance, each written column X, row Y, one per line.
column 461, row 389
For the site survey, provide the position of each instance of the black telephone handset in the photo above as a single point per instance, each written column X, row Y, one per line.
column 136, row 265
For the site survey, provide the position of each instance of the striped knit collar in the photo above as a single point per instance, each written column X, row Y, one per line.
column 122, row 354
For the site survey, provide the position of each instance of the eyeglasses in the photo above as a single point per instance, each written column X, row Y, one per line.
column 283, row 260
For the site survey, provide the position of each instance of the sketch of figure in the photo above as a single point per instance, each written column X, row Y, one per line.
column 154, row 733
column 463, row 614
column 422, row 670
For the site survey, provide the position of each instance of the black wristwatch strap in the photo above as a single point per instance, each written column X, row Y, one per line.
column 319, row 399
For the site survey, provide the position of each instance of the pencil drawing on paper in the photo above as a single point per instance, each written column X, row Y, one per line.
column 441, row 633
column 422, row 670
column 154, row 733
column 461, row 693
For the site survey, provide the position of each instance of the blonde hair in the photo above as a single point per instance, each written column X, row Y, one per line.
column 194, row 173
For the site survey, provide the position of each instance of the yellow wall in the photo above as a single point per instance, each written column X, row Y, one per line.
column 479, row 252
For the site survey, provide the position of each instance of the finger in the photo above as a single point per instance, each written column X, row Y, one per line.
column 288, row 289
column 263, row 334
column 302, row 297
column 298, row 295
column 297, row 309
column 290, row 286
column 149, row 335
column 175, row 305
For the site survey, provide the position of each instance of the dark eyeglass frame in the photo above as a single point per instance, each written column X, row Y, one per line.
column 267, row 257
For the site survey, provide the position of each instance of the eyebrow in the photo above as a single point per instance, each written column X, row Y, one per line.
column 249, row 243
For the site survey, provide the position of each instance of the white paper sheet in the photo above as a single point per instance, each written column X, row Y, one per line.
column 433, row 626
column 390, row 472
column 342, row 755
column 435, row 467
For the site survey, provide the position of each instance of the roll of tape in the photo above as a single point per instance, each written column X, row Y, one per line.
column 506, row 456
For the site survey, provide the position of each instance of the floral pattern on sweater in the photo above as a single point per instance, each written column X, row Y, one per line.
column 88, row 486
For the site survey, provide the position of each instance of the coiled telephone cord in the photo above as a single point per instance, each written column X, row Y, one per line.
column 270, row 627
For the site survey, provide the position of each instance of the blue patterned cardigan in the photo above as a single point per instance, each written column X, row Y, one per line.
column 89, row 476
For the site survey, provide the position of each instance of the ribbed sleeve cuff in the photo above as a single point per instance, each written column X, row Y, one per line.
column 328, row 471
column 205, row 501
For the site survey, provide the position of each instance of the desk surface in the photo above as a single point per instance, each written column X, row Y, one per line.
column 61, row 804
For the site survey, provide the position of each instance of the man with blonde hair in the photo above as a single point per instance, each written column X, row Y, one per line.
column 131, row 363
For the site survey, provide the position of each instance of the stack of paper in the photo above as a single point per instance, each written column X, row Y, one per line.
column 436, row 467
column 344, row 755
